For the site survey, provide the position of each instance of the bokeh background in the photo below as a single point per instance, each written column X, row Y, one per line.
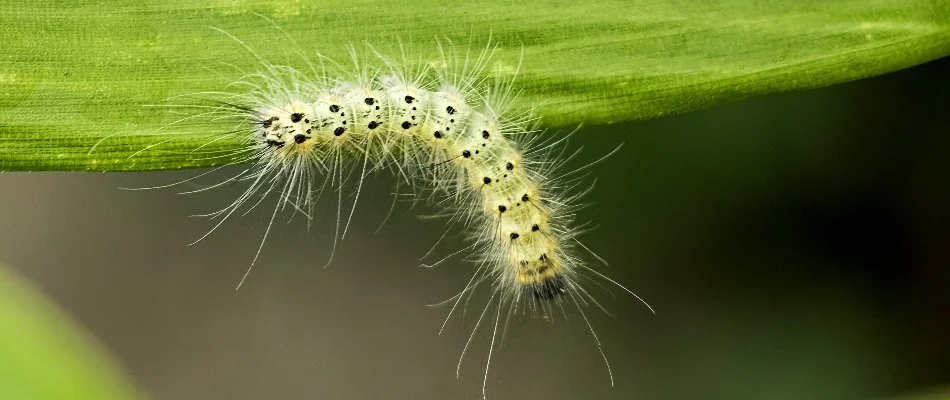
column 795, row 246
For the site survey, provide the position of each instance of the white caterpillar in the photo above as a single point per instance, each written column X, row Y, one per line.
column 443, row 128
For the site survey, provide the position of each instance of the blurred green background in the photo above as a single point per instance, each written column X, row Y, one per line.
column 795, row 246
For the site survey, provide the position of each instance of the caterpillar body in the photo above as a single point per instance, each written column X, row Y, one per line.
column 452, row 129
column 444, row 128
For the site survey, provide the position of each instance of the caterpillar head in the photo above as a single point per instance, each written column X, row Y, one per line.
column 549, row 288
column 541, row 276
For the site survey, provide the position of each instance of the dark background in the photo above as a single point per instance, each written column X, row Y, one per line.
column 795, row 246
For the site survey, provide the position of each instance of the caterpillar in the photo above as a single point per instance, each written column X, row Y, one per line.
column 444, row 127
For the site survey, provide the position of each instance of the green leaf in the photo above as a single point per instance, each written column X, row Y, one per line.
column 43, row 355
column 72, row 74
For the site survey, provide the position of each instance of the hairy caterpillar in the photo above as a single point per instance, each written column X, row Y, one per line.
column 443, row 128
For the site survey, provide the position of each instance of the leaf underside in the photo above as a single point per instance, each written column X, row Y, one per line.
column 75, row 75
